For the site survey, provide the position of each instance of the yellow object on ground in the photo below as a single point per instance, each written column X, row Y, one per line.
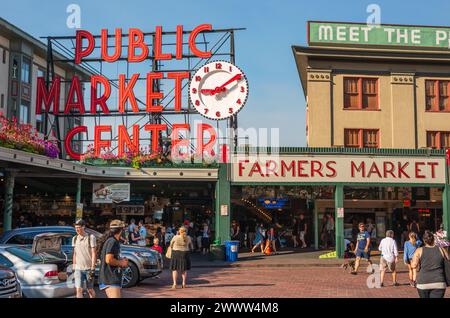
column 328, row 255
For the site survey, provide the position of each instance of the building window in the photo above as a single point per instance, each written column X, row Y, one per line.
column 438, row 139
column 361, row 138
column 360, row 93
column 4, row 56
column 23, row 114
column 2, row 101
column 437, row 95
column 25, row 71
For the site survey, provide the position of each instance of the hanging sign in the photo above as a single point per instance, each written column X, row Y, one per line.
column 79, row 212
column 110, row 192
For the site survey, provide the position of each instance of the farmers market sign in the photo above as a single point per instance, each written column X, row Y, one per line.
column 356, row 169
column 326, row 33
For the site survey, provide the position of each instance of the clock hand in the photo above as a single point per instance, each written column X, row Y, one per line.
column 231, row 80
column 221, row 88
column 207, row 91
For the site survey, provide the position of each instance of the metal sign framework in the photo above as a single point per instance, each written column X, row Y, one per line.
column 61, row 49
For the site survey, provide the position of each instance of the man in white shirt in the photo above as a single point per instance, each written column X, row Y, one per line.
column 389, row 256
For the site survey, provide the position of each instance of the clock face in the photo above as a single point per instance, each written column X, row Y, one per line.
column 218, row 90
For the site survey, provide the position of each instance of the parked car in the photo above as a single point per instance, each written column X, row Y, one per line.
column 42, row 267
column 143, row 262
column 9, row 285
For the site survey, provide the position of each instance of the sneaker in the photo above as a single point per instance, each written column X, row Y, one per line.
column 395, row 284
column 353, row 273
column 382, row 285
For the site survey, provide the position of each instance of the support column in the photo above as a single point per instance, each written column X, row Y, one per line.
column 78, row 214
column 339, row 221
column 316, row 227
column 10, row 177
column 446, row 208
column 223, row 203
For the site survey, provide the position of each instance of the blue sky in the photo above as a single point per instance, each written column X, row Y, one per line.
column 263, row 50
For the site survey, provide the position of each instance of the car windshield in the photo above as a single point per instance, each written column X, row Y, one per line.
column 25, row 254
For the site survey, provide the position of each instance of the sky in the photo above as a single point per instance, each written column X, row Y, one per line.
column 263, row 50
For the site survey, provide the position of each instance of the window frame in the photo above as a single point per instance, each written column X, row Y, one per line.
column 438, row 138
column 437, row 96
column 361, row 137
column 26, row 61
column 361, row 93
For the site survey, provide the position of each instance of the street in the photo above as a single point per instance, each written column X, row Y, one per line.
column 295, row 276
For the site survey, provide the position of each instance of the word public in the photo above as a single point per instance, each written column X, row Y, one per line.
column 100, row 87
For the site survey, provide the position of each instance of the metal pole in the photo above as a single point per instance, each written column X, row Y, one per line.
column 339, row 223
column 9, row 196
column 78, row 214
column 47, row 84
column 316, row 227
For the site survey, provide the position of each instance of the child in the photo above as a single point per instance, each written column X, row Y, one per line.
column 408, row 253
column 348, row 254
column 156, row 246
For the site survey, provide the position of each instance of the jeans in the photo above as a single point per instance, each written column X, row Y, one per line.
column 82, row 276
column 431, row 293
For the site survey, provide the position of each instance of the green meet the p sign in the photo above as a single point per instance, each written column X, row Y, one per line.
column 359, row 34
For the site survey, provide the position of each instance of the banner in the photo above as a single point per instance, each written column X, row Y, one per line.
column 110, row 192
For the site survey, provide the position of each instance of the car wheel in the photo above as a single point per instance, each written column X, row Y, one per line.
column 130, row 276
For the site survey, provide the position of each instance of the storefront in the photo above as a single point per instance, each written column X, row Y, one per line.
column 383, row 187
column 47, row 191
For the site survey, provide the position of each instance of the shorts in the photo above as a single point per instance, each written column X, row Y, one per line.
column 362, row 254
column 384, row 265
column 102, row 286
column 81, row 276
column 302, row 235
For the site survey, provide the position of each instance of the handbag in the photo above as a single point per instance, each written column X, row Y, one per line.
column 169, row 252
column 446, row 267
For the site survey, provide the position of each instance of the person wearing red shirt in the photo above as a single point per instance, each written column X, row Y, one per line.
column 156, row 246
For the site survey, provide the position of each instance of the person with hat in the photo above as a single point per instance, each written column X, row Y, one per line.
column 84, row 259
column 110, row 276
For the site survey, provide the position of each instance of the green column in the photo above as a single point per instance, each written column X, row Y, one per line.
column 9, row 196
column 446, row 208
column 339, row 221
column 78, row 200
column 223, row 200
column 316, row 227
column 78, row 197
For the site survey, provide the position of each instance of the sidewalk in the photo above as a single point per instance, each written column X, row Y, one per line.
column 285, row 258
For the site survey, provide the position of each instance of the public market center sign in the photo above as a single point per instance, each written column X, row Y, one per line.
column 359, row 34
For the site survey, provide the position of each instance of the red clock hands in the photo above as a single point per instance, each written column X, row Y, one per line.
column 221, row 88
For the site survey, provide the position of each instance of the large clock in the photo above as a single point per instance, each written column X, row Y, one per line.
column 218, row 90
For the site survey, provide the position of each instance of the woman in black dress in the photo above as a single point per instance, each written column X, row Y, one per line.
column 180, row 260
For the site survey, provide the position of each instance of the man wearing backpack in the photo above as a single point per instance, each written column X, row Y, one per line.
column 84, row 259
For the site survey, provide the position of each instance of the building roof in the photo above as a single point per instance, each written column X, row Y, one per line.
column 12, row 32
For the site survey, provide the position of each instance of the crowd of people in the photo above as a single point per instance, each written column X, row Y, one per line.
column 425, row 259
column 175, row 241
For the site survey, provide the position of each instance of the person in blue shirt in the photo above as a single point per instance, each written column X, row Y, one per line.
column 408, row 253
column 259, row 240
column 362, row 247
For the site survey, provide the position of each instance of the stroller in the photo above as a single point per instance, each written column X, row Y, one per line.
column 349, row 257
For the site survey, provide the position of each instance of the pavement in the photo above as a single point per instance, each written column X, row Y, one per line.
column 291, row 274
